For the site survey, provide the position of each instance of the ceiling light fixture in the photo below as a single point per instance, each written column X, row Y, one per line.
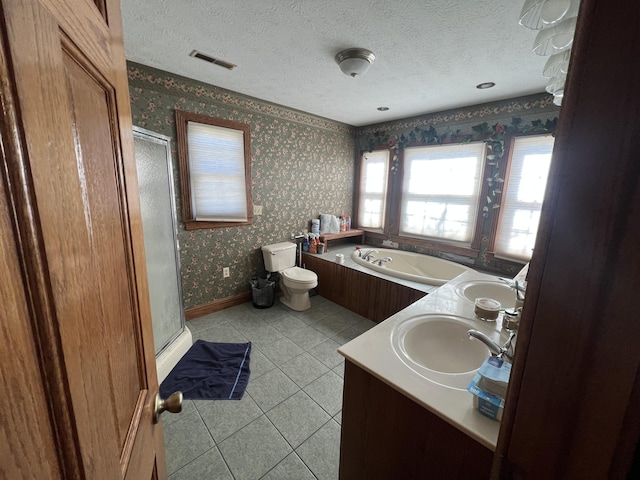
column 355, row 61
column 556, row 22
column 485, row 85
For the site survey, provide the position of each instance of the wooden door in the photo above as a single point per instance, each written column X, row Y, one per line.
column 77, row 358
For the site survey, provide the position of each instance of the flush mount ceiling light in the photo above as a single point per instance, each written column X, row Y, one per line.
column 355, row 61
column 485, row 85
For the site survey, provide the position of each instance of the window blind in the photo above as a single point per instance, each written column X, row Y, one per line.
column 441, row 186
column 373, row 189
column 217, row 173
column 522, row 198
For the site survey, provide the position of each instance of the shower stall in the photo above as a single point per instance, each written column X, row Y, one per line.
column 157, row 203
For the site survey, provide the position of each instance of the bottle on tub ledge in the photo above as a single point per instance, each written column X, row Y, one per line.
column 315, row 226
column 347, row 222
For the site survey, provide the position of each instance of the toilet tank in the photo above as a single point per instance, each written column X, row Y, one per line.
column 279, row 256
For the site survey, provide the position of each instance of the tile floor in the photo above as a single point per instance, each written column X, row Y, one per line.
column 287, row 425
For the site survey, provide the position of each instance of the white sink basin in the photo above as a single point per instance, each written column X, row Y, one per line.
column 438, row 348
column 485, row 288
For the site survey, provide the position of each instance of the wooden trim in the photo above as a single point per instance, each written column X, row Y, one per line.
column 217, row 305
column 327, row 237
column 200, row 224
column 182, row 118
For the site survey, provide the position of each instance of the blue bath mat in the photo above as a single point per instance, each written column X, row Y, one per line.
column 210, row 371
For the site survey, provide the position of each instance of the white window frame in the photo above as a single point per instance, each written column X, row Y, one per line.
column 367, row 219
column 514, row 240
column 470, row 199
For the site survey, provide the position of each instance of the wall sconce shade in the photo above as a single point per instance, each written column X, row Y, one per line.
column 355, row 61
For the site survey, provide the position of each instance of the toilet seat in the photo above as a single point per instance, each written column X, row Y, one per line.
column 299, row 275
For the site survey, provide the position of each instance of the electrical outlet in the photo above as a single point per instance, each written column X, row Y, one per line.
column 257, row 210
column 225, row 272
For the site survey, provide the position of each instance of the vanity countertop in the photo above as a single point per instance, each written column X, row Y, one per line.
column 373, row 352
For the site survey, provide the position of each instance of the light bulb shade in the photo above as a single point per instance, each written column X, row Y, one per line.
column 557, row 64
column 539, row 14
column 530, row 15
column 556, row 85
column 556, row 39
column 557, row 99
column 355, row 61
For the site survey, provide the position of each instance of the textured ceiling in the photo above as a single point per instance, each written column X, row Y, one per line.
column 430, row 55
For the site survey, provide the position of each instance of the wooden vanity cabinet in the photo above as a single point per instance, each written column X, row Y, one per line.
column 386, row 435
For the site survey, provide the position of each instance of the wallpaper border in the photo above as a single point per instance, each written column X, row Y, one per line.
column 148, row 77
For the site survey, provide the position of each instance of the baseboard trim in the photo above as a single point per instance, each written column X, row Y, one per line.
column 216, row 305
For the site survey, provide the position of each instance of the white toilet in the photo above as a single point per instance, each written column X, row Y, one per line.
column 295, row 282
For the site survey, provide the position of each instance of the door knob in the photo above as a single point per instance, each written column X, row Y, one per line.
column 172, row 404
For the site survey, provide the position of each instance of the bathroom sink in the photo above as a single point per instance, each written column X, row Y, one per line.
column 486, row 288
column 437, row 347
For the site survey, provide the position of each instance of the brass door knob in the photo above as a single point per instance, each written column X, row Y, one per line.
column 172, row 404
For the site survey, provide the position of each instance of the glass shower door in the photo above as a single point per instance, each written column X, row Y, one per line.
column 155, row 178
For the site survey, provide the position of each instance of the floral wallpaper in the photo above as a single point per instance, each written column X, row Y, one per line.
column 302, row 166
column 491, row 123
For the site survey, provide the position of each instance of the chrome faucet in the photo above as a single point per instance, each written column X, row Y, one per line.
column 380, row 261
column 368, row 254
column 505, row 350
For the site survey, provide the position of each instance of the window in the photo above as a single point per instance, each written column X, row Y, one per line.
column 525, row 186
column 440, row 191
column 374, row 169
column 215, row 171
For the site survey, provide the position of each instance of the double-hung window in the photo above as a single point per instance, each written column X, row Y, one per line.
column 374, row 174
column 215, row 171
column 522, row 200
column 440, row 190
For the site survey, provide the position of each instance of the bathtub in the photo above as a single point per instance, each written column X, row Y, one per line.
column 413, row 266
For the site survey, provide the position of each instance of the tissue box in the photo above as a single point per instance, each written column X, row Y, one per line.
column 486, row 403
column 494, row 376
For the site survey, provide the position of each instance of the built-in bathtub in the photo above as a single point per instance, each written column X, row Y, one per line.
column 411, row 266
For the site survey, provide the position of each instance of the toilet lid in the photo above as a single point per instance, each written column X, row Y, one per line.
column 298, row 274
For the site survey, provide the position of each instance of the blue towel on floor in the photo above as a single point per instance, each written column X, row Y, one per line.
column 210, row 371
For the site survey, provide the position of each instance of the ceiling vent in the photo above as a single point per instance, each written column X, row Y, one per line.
column 216, row 61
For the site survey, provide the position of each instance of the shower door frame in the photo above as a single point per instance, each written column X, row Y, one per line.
column 143, row 133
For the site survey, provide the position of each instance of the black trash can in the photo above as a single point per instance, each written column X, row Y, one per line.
column 263, row 292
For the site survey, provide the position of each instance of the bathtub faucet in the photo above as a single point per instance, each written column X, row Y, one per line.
column 380, row 261
column 368, row 254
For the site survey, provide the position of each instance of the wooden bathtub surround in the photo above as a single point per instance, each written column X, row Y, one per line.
column 386, row 435
column 372, row 297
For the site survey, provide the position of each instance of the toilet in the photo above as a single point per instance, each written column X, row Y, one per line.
column 295, row 282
